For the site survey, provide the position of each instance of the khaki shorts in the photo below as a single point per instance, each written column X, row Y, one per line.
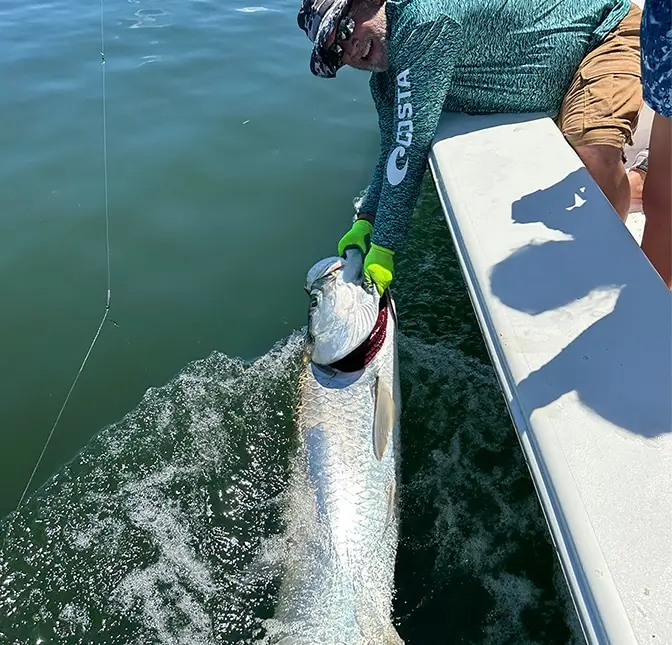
column 603, row 101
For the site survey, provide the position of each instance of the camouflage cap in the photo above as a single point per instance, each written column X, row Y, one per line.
column 319, row 18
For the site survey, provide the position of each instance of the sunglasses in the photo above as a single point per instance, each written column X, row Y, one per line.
column 344, row 31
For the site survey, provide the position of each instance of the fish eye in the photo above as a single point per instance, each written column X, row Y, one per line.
column 313, row 301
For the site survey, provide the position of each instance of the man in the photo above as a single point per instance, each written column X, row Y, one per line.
column 577, row 60
column 657, row 82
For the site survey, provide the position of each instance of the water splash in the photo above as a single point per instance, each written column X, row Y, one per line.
column 155, row 532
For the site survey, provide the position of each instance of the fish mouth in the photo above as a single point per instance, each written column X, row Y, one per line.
column 321, row 270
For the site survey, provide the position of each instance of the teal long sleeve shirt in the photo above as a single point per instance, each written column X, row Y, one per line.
column 474, row 56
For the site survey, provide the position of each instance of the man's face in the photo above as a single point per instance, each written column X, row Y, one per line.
column 366, row 49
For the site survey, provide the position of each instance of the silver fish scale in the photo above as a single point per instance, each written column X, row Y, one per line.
column 342, row 517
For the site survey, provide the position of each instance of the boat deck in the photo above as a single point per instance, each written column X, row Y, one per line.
column 579, row 329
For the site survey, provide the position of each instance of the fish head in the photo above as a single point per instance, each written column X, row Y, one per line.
column 343, row 307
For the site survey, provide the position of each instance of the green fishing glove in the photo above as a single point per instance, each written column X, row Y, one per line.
column 359, row 236
column 379, row 267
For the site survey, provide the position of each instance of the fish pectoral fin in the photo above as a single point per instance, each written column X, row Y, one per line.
column 383, row 420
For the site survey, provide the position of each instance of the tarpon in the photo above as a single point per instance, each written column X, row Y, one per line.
column 342, row 517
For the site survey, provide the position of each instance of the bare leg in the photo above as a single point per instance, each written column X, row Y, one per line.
column 605, row 164
column 636, row 178
column 657, row 199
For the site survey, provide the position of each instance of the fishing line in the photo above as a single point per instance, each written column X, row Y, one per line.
column 107, row 249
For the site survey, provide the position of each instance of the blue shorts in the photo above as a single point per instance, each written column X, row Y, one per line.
column 656, row 44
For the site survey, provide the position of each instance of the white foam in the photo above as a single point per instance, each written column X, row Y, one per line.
column 482, row 518
column 512, row 594
column 76, row 616
column 155, row 526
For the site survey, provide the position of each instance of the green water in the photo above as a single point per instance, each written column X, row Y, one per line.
column 154, row 517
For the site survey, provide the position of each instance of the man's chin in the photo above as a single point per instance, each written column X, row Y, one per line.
column 370, row 66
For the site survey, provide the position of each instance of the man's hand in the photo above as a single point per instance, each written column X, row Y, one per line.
column 378, row 261
column 359, row 237
column 379, row 267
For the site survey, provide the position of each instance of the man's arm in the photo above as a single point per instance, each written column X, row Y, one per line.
column 383, row 98
column 423, row 58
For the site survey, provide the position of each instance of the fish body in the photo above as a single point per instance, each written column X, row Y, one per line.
column 342, row 518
